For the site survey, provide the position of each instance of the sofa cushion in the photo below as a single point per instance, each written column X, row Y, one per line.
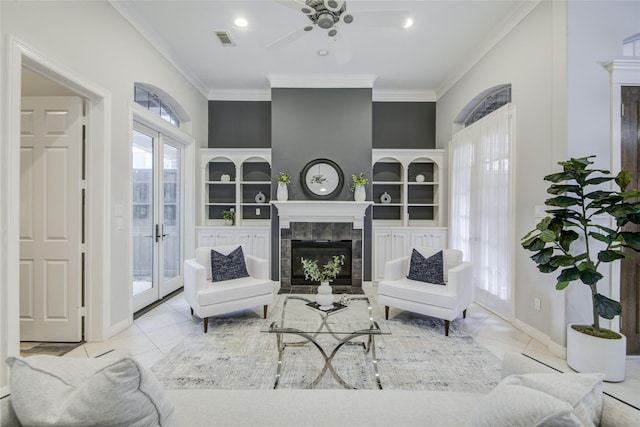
column 231, row 290
column 543, row 399
column 429, row 270
column 452, row 258
column 58, row 391
column 228, row 266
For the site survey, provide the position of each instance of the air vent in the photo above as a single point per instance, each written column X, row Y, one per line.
column 225, row 38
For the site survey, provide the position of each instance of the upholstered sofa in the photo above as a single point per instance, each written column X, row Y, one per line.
column 355, row 407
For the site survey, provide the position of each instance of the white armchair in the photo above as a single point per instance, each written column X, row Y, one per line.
column 446, row 301
column 207, row 298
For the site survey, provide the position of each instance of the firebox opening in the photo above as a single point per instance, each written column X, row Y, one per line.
column 322, row 250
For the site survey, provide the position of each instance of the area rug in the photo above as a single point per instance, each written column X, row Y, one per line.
column 416, row 356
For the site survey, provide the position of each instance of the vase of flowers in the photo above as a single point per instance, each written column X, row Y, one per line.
column 325, row 276
column 282, row 194
column 359, row 181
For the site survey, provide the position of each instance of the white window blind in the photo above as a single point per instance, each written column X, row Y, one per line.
column 482, row 205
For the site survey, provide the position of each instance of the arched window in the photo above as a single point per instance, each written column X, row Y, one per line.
column 489, row 104
column 157, row 102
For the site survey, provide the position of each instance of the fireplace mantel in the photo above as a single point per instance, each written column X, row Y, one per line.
column 321, row 211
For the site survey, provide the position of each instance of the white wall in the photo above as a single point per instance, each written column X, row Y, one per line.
column 525, row 59
column 553, row 61
column 95, row 42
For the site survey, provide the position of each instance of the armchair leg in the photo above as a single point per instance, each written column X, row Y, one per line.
column 191, row 310
column 264, row 310
column 206, row 324
column 446, row 328
column 464, row 313
column 386, row 312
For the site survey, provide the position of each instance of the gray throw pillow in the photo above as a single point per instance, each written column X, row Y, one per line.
column 61, row 391
column 429, row 270
column 228, row 267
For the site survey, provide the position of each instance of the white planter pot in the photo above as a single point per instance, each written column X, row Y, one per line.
column 325, row 295
column 282, row 193
column 359, row 194
column 590, row 354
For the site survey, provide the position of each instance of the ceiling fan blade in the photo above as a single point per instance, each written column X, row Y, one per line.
column 296, row 5
column 291, row 37
column 333, row 5
column 380, row 18
column 340, row 50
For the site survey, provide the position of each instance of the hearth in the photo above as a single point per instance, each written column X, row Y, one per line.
column 323, row 251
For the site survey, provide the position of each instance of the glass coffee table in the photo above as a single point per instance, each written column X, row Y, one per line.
column 298, row 315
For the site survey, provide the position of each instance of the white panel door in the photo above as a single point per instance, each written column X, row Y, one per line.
column 51, row 219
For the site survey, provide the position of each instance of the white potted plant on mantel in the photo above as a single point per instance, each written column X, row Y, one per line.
column 359, row 181
column 282, row 194
column 572, row 219
column 325, row 275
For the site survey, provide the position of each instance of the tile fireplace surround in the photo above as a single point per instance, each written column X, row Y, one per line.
column 321, row 221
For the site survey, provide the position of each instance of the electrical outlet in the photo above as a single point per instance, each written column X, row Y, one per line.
column 257, row 211
column 536, row 304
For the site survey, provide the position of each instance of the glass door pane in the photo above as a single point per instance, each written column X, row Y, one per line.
column 172, row 219
column 143, row 213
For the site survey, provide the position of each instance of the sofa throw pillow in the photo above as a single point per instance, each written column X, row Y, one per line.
column 429, row 270
column 582, row 391
column 59, row 391
column 510, row 405
column 228, row 267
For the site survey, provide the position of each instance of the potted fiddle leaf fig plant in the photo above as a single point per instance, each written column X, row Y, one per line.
column 574, row 241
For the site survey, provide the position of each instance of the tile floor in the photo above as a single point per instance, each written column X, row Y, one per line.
column 157, row 331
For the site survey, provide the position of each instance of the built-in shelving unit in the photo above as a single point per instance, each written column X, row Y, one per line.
column 232, row 180
column 412, row 180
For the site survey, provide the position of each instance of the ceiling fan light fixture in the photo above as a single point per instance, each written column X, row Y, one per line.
column 307, row 10
column 308, row 28
column 347, row 19
column 325, row 20
column 332, row 32
column 332, row 4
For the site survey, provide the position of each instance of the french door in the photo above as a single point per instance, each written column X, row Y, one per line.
column 157, row 247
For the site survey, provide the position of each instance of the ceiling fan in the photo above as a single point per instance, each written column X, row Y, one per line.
column 329, row 15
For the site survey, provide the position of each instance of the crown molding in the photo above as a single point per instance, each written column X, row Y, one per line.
column 502, row 29
column 404, row 96
column 239, row 95
column 321, row 81
column 157, row 41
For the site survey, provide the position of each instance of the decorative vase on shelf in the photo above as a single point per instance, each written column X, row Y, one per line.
column 325, row 296
column 282, row 193
column 359, row 195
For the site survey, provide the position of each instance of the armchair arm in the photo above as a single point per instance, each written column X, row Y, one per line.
column 257, row 267
column 460, row 280
column 396, row 268
column 194, row 280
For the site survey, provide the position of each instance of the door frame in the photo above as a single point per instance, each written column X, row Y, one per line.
column 622, row 73
column 98, row 160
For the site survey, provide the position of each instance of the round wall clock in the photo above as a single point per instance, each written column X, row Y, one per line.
column 322, row 179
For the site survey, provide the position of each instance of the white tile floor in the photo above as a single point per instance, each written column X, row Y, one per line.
column 156, row 332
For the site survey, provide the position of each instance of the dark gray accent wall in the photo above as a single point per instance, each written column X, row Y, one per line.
column 307, row 124
column 239, row 124
column 404, row 125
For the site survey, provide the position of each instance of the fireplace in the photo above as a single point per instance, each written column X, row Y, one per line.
column 326, row 238
column 323, row 251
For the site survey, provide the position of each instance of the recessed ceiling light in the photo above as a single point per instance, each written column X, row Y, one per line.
column 323, row 52
column 241, row 22
column 408, row 23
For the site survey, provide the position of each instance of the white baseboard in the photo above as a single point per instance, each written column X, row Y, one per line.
column 119, row 327
column 543, row 338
